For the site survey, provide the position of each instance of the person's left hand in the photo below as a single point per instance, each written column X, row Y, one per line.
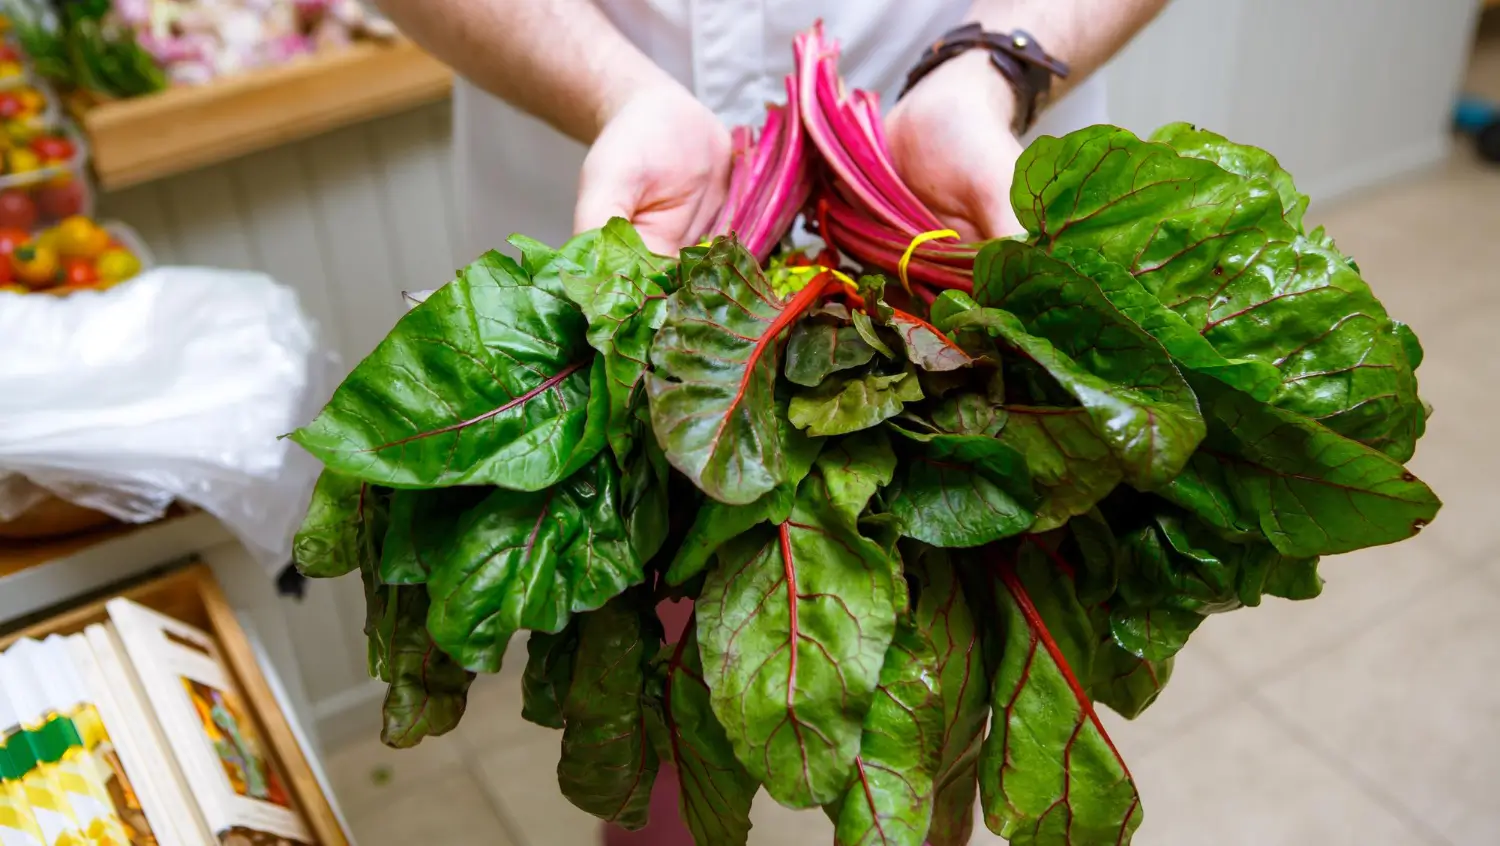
column 951, row 141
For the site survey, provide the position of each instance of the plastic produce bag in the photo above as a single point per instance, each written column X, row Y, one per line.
column 175, row 386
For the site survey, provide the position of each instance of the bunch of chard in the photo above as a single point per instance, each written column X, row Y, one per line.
column 926, row 537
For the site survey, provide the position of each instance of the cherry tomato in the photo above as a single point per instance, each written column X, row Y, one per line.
column 7, row 276
column 36, row 267
column 22, row 161
column 8, row 53
column 79, row 237
column 53, row 148
column 10, row 68
column 77, row 271
column 32, row 101
column 9, row 240
column 17, row 211
column 58, row 201
column 10, row 105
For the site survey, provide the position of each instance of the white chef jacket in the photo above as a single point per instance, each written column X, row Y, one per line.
column 516, row 174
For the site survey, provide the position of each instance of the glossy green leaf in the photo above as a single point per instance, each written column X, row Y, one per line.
column 1307, row 489
column 715, row 791
column 1187, row 347
column 644, row 503
column 960, row 490
column 535, row 256
column 344, row 526
column 856, row 467
column 1224, row 257
column 716, row 523
column 608, row 763
column 1153, row 633
column 380, row 622
column 1139, row 401
column 609, row 277
column 889, row 803
column 972, row 412
column 925, row 346
column 716, row 360
column 488, row 381
column 528, row 561
column 843, row 405
column 1048, row 772
column 421, row 523
column 1126, row 683
column 943, row 614
column 794, row 623
column 1070, row 464
column 870, row 333
column 817, row 349
column 428, row 690
column 1240, row 159
column 549, row 674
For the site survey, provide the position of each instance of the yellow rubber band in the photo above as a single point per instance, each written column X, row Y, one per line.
column 912, row 249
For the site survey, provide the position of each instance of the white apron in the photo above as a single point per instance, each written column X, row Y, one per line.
column 516, row 174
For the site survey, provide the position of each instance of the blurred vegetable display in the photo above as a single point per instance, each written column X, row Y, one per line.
column 77, row 254
column 127, row 48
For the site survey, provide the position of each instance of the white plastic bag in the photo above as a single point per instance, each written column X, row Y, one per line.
column 176, row 385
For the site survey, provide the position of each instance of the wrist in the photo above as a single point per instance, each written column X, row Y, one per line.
column 971, row 75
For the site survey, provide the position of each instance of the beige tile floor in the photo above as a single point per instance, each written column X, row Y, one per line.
column 1370, row 716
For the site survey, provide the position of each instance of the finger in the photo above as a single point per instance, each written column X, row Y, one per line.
column 998, row 220
column 597, row 204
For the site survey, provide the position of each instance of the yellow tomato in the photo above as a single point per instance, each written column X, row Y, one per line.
column 79, row 237
column 32, row 101
column 15, row 289
column 116, row 264
column 10, row 69
column 46, row 238
column 36, row 266
column 22, row 161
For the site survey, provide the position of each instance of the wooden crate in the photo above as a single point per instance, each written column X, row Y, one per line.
column 191, row 595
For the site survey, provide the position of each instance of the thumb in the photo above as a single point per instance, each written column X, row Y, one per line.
column 996, row 219
column 597, row 204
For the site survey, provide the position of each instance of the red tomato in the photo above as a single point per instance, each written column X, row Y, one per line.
column 9, row 240
column 10, row 105
column 17, row 211
column 8, row 53
column 59, row 201
column 7, row 275
column 79, row 272
column 53, row 148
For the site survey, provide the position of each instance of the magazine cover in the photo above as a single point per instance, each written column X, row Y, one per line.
column 238, row 786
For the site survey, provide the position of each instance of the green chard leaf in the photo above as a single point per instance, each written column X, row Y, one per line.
column 644, row 503
column 715, row 791
column 421, row 523
column 1048, row 772
column 717, row 523
column 855, row 468
column 943, row 615
column 611, row 281
column 608, row 763
column 1139, row 401
column 1070, row 464
column 794, row 624
column 1126, row 683
column 1218, row 248
column 344, row 527
column 843, row 405
column 889, row 803
column 1310, row 491
column 960, row 490
column 926, row 347
column 429, row 690
column 549, row 674
column 1239, row 159
column 817, row 349
column 487, row 381
column 716, row 360
column 528, row 561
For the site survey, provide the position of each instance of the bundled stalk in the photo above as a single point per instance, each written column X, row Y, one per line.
column 925, row 542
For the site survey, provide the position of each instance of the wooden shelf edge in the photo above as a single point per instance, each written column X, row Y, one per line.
column 146, row 138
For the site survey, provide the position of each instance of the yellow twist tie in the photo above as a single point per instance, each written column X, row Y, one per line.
column 911, row 249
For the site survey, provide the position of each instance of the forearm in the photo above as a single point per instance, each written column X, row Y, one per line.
column 1084, row 33
column 560, row 60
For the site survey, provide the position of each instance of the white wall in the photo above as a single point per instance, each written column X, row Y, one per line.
column 1346, row 92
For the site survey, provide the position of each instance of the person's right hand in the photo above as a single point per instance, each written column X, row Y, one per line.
column 661, row 162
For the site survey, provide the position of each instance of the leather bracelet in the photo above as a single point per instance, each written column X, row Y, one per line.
column 1017, row 56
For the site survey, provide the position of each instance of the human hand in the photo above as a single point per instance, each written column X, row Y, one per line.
column 661, row 162
column 952, row 144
